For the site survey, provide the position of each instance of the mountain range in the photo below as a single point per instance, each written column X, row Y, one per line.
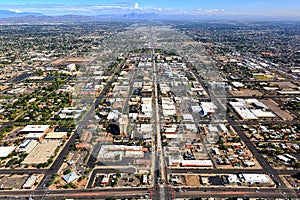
column 9, row 14
column 11, row 17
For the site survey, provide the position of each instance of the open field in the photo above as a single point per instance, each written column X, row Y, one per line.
column 246, row 92
column 276, row 109
column 78, row 60
column 192, row 180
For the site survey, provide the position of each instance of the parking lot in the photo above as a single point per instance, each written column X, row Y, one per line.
column 13, row 181
column 41, row 153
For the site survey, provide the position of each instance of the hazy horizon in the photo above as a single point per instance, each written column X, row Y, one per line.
column 287, row 8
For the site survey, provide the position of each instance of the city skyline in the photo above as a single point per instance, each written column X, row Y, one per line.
column 215, row 7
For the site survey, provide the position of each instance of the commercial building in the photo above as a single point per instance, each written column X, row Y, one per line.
column 207, row 108
column 123, row 123
column 254, row 178
column 262, row 114
column 283, row 158
column 117, row 152
column 242, row 111
column 5, row 151
column 35, row 129
column 113, row 115
column 134, row 154
column 35, row 136
column 30, row 182
column 42, row 152
column 168, row 106
column 237, row 84
column 187, row 117
column 144, row 128
column 70, row 113
column 250, row 109
column 175, row 137
column 56, row 135
column 170, row 129
column 27, row 146
column 174, row 160
column 197, row 163
column 233, row 178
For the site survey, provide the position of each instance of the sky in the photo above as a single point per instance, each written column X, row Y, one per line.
column 98, row 7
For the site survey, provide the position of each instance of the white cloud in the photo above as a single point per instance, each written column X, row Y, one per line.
column 136, row 5
column 15, row 10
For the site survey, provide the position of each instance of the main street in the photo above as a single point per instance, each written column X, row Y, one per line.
column 160, row 173
column 222, row 192
column 76, row 193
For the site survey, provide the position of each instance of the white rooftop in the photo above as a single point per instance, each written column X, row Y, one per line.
column 263, row 114
column 197, row 162
column 256, row 178
column 34, row 135
column 188, row 117
column 5, row 151
column 35, row 128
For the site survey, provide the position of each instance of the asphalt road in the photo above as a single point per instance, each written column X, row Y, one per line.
column 221, row 192
column 77, row 193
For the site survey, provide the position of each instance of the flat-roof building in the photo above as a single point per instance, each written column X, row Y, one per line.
column 255, row 178
column 35, row 136
column 242, row 111
column 134, row 154
column 284, row 158
column 233, row 178
column 5, row 151
column 262, row 114
column 188, row 117
column 30, row 182
column 207, row 108
column 56, row 135
column 35, row 129
column 197, row 163
column 27, row 146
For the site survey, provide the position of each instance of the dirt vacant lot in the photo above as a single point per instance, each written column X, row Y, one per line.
column 192, row 180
